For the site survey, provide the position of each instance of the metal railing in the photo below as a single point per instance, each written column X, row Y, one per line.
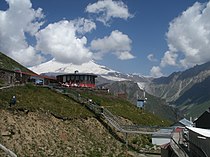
column 111, row 118
column 7, row 151
column 174, row 143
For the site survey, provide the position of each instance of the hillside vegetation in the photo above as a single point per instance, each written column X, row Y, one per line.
column 33, row 125
column 154, row 105
column 35, row 98
column 124, row 108
column 10, row 64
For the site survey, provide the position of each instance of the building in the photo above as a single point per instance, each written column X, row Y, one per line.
column 77, row 80
column 199, row 142
column 10, row 77
column 183, row 123
column 7, row 76
column 203, row 120
column 162, row 137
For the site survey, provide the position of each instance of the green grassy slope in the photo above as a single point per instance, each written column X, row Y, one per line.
column 124, row 108
column 10, row 64
column 35, row 98
column 159, row 107
column 38, row 98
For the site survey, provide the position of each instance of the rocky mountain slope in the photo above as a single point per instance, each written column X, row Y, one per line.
column 173, row 86
column 184, row 89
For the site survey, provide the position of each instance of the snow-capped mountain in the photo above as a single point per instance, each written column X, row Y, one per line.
column 54, row 67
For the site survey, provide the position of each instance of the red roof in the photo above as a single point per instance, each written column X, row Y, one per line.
column 36, row 75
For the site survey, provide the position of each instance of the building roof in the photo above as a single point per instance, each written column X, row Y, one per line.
column 79, row 74
column 163, row 133
column 186, row 122
column 204, row 114
column 29, row 74
column 203, row 132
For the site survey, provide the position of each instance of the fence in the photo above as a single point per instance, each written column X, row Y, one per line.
column 7, row 151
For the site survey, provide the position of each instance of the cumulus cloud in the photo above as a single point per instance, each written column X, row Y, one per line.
column 108, row 9
column 83, row 25
column 156, row 71
column 117, row 43
column 169, row 58
column 63, row 40
column 16, row 21
column 151, row 57
column 189, row 37
column 60, row 40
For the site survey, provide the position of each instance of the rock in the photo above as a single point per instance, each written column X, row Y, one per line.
column 6, row 133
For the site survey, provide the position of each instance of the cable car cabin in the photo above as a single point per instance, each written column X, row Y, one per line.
column 77, row 80
column 140, row 103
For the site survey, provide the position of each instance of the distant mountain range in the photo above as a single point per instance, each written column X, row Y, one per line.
column 189, row 90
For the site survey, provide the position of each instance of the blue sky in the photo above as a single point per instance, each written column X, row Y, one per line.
column 147, row 37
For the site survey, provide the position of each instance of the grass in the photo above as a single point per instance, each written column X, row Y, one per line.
column 10, row 64
column 38, row 98
column 124, row 108
column 197, row 109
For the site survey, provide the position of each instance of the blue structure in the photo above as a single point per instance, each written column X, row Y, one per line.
column 140, row 103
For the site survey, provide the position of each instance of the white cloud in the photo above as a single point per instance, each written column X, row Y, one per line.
column 169, row 58
column 60, row 40
column 83, row 25
column 189, row 35
column 19, row 19
column 63, row 40
column 188, row 38
column 117, row 43
column 156, row 71
column 108, row 9
column 151, row 57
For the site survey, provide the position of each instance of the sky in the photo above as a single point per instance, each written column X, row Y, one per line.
column 146, row 37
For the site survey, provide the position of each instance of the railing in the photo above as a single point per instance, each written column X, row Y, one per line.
column 111, row 118
column 5, row 87
column 175, row 145
column 7, row 151
column 179, row 149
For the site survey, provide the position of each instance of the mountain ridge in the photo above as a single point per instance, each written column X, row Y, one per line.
column 187, row 89
column 173, row 86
